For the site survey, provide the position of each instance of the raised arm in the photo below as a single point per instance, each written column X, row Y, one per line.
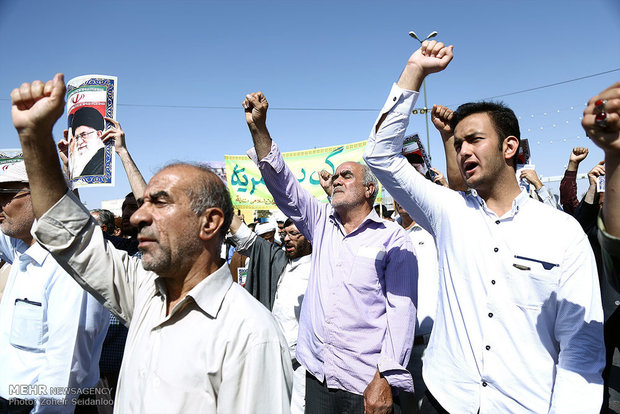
column 541, row 191
column 431, row 57
column 601, row 121
column 577, row 155
column 593, row 176
column 256, row 105
column 117, row 135
column 294, row 201
column 568, row 185
column 35, row 109
column 70, row 234
column 325, row 179
column 441, row 116
column 383, row 153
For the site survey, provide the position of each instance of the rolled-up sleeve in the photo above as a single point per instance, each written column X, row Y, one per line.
column 76, row 242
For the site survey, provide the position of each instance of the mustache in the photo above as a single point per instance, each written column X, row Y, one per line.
column 147, row 232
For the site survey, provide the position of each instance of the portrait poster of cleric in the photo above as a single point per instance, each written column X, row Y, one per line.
column 90, row 99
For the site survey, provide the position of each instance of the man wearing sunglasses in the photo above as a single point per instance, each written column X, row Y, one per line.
column 51, row 330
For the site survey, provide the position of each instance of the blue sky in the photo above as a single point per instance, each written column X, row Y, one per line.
column 322, row 55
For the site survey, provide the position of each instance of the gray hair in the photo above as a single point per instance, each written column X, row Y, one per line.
column 369, row 178
column 208, row 192
column 105, row 218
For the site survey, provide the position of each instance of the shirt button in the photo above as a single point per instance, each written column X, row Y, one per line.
column 497, row 221
column 496, row 250
column 394, row 99
column 490, row 314
column 492, row 282
column 617, row 302
column 488, row 348
column 484, row 384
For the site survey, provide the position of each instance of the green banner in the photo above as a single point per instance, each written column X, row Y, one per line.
column 248, row 190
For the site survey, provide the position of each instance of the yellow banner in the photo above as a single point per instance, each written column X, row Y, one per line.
column 248, row 190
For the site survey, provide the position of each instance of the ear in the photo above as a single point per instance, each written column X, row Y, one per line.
column 210, row 223
column 369, row 190
column 510, row 147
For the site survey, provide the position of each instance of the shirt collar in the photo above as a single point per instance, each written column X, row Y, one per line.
column 519, row 200
column 209, row 293
column 300, row 260
column 35, row 253
column 372, row 216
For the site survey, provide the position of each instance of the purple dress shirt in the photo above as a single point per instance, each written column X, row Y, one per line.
column 358, row 315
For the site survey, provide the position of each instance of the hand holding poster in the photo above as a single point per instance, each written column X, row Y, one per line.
column 90, row 98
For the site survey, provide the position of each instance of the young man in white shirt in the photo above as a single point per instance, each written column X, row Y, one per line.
column 519, row 319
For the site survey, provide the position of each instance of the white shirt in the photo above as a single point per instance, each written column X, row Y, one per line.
column 51, row 331
column 428, row 278
column 519, row 320
column 289, row 296
column 291, row 288
column 218, row 351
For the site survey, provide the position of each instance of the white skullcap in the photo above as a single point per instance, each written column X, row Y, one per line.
column 279, row 216
column 13, row 171
column 262, row 228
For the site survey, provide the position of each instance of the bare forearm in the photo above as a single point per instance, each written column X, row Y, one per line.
column 44, row 171
column 589, row 196
column 455, row 179
column 262, row 140
column 611, row 209
column 136, row 180
column 411, row 78
column 572, row 166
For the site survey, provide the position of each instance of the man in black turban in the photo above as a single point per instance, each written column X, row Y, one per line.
column 87, row 149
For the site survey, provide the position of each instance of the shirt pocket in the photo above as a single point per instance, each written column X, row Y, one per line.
column 27, row 325
column 532, row 282
column 366, row 267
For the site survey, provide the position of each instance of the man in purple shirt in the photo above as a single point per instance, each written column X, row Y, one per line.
column 358, row 316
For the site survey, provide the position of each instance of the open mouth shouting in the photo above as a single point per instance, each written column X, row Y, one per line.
column 469, row 168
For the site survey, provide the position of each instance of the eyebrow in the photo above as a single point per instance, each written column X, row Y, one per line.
column 158, row 195
column 471, row 135
column 335, row 176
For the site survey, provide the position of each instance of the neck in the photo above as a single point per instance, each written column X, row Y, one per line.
column 502, row 192
column 180, row 283
column 351, row 218
column 406, row 221
column 28, row 240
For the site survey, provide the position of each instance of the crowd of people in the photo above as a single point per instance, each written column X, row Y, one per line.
column 468, row 295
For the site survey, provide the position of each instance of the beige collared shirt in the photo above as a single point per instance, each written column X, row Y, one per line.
column 218, row 351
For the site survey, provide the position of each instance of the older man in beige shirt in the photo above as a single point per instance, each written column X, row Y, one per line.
column 196, row 342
